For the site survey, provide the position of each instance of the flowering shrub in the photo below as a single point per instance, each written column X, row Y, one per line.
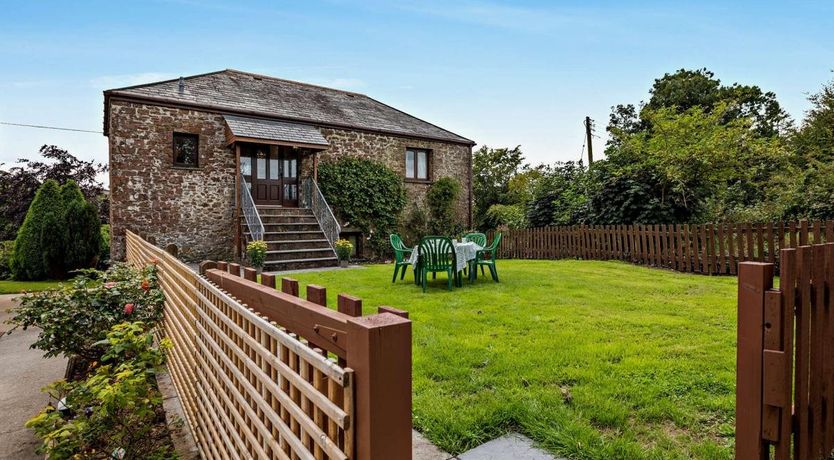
column 256, row 251
column 75, row 317
column 343, row 249
column 117, row 411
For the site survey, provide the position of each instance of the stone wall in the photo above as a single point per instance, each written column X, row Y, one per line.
column 447, row 160
column 192, row 208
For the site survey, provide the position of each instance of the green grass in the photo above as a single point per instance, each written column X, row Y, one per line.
column 593, row 360
column 17, row 287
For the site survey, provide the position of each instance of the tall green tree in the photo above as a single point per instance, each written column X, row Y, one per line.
column 37, row 248
column 19, row 183
column 492, row 170
column 82, row 244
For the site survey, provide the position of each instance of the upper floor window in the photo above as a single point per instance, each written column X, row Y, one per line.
column 417, row 164
column 186, row 150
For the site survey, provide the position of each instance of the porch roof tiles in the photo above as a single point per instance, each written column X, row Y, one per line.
column 273, row 130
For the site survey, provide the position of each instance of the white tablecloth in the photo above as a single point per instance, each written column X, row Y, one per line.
column 464, row 252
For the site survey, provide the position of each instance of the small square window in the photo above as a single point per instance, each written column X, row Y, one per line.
column 186, row 150
column 417, row 164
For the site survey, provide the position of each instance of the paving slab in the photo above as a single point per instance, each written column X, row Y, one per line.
column 512, row 446
column 23, row 372
column 423, row 449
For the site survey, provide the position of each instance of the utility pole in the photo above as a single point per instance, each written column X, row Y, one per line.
column 589, row 134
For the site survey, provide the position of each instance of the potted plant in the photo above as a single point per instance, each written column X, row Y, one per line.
column 343, row 250
column 256, row 252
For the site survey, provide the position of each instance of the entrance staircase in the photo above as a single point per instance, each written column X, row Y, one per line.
column 294, row 238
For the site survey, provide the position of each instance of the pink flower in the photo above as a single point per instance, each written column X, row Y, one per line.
column 128, row 309
column 110, row 285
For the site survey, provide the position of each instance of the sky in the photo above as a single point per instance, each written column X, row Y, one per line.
column 501, row 73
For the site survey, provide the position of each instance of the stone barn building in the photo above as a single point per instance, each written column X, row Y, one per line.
column 211, row 161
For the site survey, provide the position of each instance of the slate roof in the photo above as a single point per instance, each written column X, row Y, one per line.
column 274, row 130
column 244, row 93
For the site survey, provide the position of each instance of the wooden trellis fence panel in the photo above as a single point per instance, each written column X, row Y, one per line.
column 713, row 249
column 266, row 374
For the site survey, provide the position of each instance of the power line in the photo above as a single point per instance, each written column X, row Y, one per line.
column 50, row 127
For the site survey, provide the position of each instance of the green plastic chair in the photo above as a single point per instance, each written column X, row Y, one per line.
column 487, row 257
column 478, row 238
column 437, row 254
column 401, row 255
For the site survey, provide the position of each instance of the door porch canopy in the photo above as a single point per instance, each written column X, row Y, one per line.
column 273, row 132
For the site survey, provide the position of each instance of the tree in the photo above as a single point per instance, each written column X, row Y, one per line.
column 560, row 196
column 441, row 198
column 82, row 229
column 37, row 248
column 492, row 170
column 20, row 182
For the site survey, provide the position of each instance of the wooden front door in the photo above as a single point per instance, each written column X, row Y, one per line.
column 272, row 172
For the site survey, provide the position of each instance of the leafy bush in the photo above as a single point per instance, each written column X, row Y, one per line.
column 256, row 251
column 82, row 244
column 441, row 199
column 104, row 252
column 61, row 233
column 117, row 411
column 74, row 318
column 512, row 216
column 365, row 194
column 6, row 251
column 415, row 224
column 343, row 249
column 36, row 256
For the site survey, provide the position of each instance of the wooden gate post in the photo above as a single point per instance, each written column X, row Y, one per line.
column 380, row 356
column 754, row 279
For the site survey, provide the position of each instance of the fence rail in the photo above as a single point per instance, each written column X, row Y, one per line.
column 785, row 362
column 713, row 249
column 266, row 374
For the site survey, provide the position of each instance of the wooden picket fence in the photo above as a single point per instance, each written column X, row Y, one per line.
column 714, row 249
column 785, row 357
column 265, row 374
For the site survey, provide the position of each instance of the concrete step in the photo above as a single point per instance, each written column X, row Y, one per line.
column 277, row 245
column 279, row 211
column 291, row 227
column 300, row 264
column 289, row 236
column 292, row 254
column 284, row 218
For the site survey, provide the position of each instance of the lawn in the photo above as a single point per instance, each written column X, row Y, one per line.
column 17, row 287
column 593, row 360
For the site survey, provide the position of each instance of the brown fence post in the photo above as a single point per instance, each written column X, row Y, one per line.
column 268, row 280
column 380, row 356
column 754, row 279
column 289, row 286
column 250, row 274
column 234, row 269
column 349, row 305
column 317, row 294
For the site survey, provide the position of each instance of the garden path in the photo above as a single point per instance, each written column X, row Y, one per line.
column 23, row 372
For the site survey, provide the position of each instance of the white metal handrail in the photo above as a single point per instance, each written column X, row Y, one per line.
column 314, row 199
column 250, row 211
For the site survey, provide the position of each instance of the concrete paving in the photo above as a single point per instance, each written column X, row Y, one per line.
column 511, row 446
column 23, row 372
